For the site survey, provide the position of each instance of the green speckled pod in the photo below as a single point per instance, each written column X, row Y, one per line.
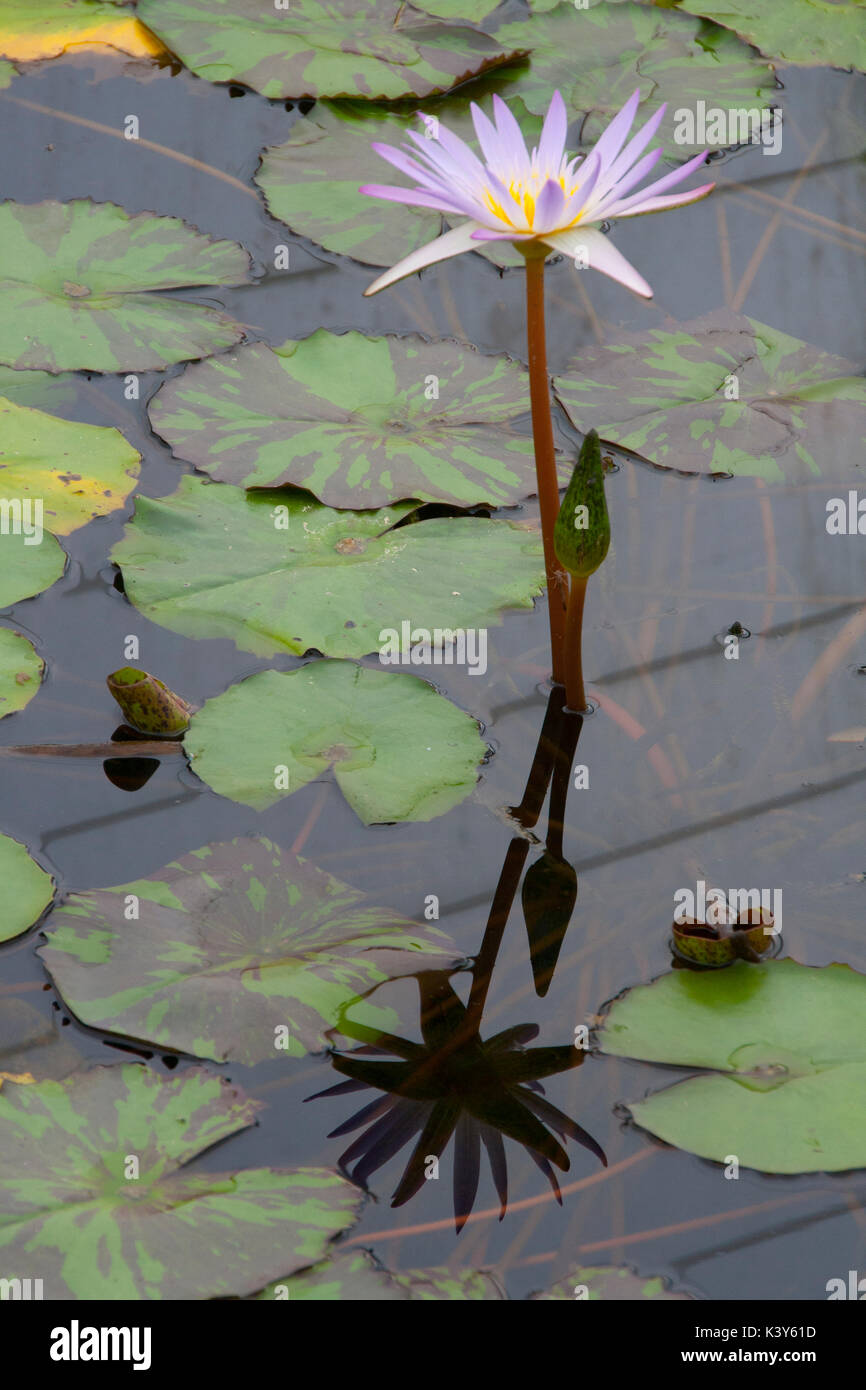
column 147, row 703
column 581, row 536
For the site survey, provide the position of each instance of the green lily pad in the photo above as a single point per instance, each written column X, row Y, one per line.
column 609, row 1282
column 241, row 952
column 27, row 569
column 598, row 56
column 811, row 32
column 79, row 283
column 377, row 49
column 7, row 72
column 357, row 421
column 787, row 1045
column 664, row 394
column 32, row 1047
column 27, row 890
column 399, row 751
column 277, row 572
column 311, row 181
column 77, row 472
column 74, row 1213
column 20, row 671
column 353, row 1277
column 40, row 389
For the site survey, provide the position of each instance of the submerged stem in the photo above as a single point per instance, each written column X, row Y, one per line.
column 545, row 458
column 574, row 693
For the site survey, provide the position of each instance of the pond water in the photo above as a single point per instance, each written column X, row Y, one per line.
column 699, row 767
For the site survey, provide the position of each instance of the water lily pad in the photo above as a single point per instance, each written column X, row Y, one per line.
column 313, row 48
column 32, row 1047
column 29, row 31
column 353, row 1277
column 787, row 1046
column 20, row 671
column 726, row 394
column 76, row 471
column 398, row 750
column 312, row 180
column 26, row 569
column 79, row 283
column 278, row 572
column 27, row 890
column 41, row 389
column 812, row 32
column 472, row 10
column 7, row 72
column 240, row 952
column 443, row 1283
column 598, row 56
column 608, row 1282
column 75, row 1214
column 358, row 421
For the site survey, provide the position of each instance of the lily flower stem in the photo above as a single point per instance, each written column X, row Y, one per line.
column 545, row 457
column 574, row 692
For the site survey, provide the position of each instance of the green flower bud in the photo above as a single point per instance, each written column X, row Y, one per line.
column 581, row 536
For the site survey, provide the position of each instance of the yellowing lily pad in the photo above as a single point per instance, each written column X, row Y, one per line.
column 278, row 572
column 34, row 29
column 786, row 1046
column 312, row 48
column 723, row 394
column 68, row 1187
column 27, row 891
column 358, row 421
column 240, row 952
column 20, row 671
column 74, row 472
column 80, row 284
column 398, row 750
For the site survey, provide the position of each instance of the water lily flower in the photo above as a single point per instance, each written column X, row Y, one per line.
column 540, row 201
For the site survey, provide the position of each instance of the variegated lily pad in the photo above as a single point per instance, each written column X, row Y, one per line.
column 399, row 751
column 312, row 48
column 20, row 671
column 597, row 57
column 353, row 1277
column 74, row 472
column 359, row 422
column 278, row 572
column 786, row 1048
column 95, row 1201
column 80, row 280
column 811, row 32
column 27, row 891
column 240, row 952
column 32, row 1047
column 312, row 180
column 723, row 394
column 609, row 1283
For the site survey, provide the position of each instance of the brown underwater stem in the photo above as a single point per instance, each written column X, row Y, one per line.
column 574, row 692
column 545, row 456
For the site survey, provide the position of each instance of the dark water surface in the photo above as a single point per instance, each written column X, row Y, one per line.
column 749, row 787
